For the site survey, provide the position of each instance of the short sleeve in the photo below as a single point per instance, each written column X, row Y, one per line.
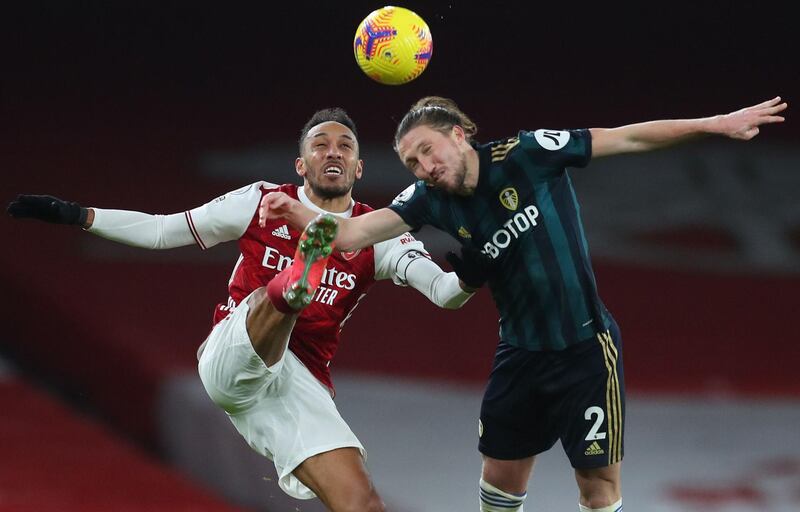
column 412, row 205
column 552, row 151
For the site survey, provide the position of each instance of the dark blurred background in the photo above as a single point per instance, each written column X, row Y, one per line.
column 187, row 69
column 162, row 106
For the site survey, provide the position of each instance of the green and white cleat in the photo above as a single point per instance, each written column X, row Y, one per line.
column 313, row 250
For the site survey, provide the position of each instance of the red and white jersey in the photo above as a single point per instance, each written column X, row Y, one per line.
column 268, row 250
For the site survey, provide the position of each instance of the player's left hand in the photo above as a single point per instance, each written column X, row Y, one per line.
column 472, row 267
column 743, row 124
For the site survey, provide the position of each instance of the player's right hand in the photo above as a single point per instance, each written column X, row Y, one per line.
column 275, row 205
column 47, row 208
column 744, row 123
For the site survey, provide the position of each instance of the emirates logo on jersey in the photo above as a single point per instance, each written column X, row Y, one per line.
column 332, row 283
column 349, row 255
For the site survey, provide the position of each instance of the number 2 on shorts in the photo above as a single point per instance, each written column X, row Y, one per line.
column 593, row 434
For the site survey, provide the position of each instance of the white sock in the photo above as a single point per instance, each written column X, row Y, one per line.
column 616, row 507
column 493, row 499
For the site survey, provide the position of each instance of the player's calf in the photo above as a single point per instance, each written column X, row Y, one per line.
column 294, row 288
column 600, row 488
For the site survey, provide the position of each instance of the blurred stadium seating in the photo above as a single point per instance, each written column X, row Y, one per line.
column 55, row 459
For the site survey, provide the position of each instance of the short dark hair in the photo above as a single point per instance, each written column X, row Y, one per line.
column 335, row 114
column 439, row 113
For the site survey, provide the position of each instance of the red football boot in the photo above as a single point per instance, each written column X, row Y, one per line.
column 313, row 250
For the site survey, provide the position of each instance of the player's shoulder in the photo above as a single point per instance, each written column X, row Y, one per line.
column 265, row 187
column 538, row 140
column 416, row 190
column 551, row 139
column 360, row 208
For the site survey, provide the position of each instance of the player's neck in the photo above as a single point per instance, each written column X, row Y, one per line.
column 337, row 204
column 473, row 172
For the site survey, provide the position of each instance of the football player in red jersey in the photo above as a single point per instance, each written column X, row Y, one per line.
column 266, row 360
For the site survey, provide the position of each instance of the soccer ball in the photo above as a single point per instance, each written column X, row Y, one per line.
column 393, row 45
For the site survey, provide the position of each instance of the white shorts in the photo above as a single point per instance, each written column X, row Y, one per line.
column 282, row 411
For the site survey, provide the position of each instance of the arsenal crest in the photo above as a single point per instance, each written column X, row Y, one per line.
column 350, row 254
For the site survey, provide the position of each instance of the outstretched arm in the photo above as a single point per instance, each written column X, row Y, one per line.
column 128, row 227
column 354, row 233
column 742, row 124
column 223, row 219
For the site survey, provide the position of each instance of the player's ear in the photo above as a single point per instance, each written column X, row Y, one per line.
column 300, row 166
column 359, row 169
column 458, row 133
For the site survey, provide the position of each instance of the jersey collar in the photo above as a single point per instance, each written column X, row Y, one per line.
column 301, row 195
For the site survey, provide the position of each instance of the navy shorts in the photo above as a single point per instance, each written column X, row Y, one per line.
column 576, row 395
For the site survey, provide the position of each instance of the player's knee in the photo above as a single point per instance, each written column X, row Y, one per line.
column 374, row 504
column 223, row 387
column 362, row 502
column 493, row 499
column 218, row 395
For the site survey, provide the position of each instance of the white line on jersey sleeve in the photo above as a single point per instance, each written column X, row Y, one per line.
column 223, row 219
column 226, row 217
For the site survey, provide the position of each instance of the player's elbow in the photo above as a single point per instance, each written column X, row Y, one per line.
column 452, row 295
column 349, row 240
column 345, row 244
column 454, row 304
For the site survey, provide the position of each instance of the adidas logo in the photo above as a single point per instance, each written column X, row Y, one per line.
column 594, row 449
column 282, row 232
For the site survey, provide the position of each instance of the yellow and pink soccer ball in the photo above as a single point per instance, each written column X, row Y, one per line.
column 393, row 45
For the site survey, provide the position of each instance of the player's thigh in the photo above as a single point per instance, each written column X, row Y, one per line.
column 267, row 328
column 340, row 479
column 591, row 416
column 231, row 371
column 294, row 419
column 517, row 419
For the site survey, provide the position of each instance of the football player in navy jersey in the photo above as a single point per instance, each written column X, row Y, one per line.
column 557, row 373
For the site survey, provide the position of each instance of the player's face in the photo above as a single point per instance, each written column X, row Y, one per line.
column 329, row 162
column 435, row 157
